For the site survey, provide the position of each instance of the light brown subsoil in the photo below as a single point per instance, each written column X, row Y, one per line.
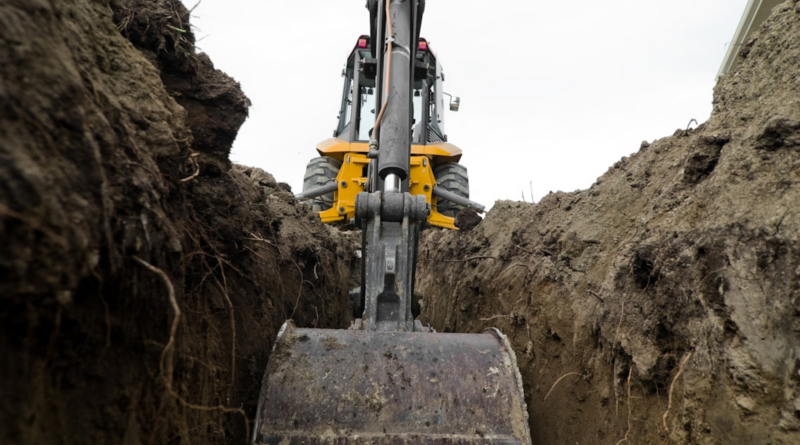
column 116, row 194
column 668, row 294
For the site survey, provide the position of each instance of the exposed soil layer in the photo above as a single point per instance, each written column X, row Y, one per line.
column 662, row 305
column 118, row 205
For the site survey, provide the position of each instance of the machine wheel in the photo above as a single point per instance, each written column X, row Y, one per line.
column 321, row 171
column 453, row 178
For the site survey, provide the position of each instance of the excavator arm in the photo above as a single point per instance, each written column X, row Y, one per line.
column 388, row 380
column 390, row 217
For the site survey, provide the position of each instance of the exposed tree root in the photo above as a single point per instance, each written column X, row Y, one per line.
column 5, row 211
column 196, row 166
column 471, row 258
column 672, row 387
column 560, row 379
column 166, row 364
column 630, row 409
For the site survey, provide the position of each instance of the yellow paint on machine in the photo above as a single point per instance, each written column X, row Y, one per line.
column 439, row 153
column 352, row 180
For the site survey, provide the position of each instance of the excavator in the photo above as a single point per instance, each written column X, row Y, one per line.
column 343, row 169
column 389, row 379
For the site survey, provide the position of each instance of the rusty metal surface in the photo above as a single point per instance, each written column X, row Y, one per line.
column 354, row 387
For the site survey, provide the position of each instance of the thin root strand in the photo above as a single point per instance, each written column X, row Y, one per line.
column 672, row 387
column 560, row 379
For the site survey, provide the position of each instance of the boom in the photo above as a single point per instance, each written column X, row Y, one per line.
column 389, row 216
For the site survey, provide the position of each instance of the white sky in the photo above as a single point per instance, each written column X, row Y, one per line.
column 552, row 92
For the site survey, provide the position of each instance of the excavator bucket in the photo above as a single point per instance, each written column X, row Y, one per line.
column 361, row 387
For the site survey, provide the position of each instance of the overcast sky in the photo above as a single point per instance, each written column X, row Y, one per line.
column 552, row 92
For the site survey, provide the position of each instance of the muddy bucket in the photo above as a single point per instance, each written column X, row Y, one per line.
column 358, row 387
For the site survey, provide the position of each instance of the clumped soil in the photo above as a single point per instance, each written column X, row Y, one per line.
column 667, row 295
column 118, row 205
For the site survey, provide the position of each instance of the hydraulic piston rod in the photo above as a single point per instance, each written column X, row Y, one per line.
column 460, row 200
column 395, row 130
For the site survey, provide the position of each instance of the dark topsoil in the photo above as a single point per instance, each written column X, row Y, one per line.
column 686, row 252
column 114, row 142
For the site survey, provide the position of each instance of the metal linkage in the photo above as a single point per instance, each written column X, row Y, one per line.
column 391, row 222
column 391, row 219
column 460, row 200
column 318, row 191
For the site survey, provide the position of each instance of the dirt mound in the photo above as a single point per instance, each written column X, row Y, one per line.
column 662, row 305
column 142, row 277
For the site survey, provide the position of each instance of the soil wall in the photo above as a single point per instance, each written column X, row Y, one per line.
column 142, row 276
column 662, row 305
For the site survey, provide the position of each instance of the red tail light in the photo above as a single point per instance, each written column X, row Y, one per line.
column 362, row 43
column 423, row 45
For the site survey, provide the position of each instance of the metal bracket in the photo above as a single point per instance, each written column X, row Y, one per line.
column 391, row 224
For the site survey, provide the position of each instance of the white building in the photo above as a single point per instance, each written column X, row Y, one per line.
column 754, row 14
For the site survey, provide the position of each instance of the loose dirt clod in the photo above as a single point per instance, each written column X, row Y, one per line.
column 467, row 219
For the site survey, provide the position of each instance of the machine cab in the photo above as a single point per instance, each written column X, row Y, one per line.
column 358, row 109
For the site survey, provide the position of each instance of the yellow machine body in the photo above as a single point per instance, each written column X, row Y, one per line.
column 352, row 179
